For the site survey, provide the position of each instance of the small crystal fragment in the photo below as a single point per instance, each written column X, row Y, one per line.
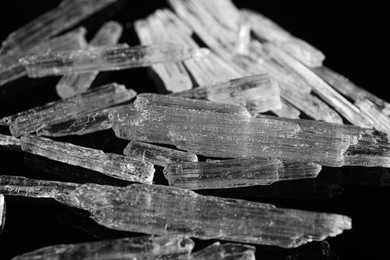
column 63, row 17
column 321, row 88
column 157, row 155
column 81, row 125
column 236, row 173
column 13, row 70
column 227, row 251
column 135, row 248
column 62, row 110
column 9, row 143
column 2, row 212
column 162, row 210
column 258, row 93
column 267, row 30
column 113, row 165
column 106, row 58
column 229, row 131
column 71, row 85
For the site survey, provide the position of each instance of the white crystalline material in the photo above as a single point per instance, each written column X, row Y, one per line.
column 9, row 143
column 63, row 110
column 162, row 210
column 227, row 251
column 71, row 85
column 66, row 15
column 107, row 58
column 135, row 248
column 258, row 93
column 267, row 30
column 229, row 131
column 236, row 173
column 11, row 69
column 113, row 165
column 380, row 121
column 2, row 212
column 157, row 155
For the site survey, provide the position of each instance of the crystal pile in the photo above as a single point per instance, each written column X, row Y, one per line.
column 162, row 210
column 137, row 248
column 245, row 103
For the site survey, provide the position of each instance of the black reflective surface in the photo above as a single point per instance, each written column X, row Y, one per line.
column 354, row 40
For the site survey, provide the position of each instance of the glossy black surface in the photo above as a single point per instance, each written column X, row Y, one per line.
column 352, row 38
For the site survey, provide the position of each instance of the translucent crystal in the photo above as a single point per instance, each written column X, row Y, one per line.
column 380, row 121
column 162, row 210
column 81, row 125
column 2, row 212
column 227, row 251
column 11, row 69
column 113, row 165
column 244, row 39
column 135, row 248
column 71, row 85
column 229, row 131
column 351, row 90
column 287, row 111
column 321, row 88
column 157, row 155
column 62, row 110
column 105, row 58
column 236, row 173
column 258, row 93
column 173, row 75
column 66, row 15
column 9, row 143
column 268, row 30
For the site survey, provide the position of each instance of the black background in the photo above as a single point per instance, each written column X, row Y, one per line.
column 354, row 40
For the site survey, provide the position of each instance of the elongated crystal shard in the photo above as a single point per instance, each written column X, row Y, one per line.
column 321, row 88
column 162, row 210
column 236, row 173
column 71, row 85
column 258, row 93
column 157, row 155
column 227, row 251
column 113, row 165
column 9, row 143
column 229, row 131
column 81, row 125
column 173, row 75
column 12, row 69
column 2, row 212
column 105, row 58
column 351, row 90
column 380, row 121
column 63, row 17
column 136, row 248
column 62, row 110
column 267, row 30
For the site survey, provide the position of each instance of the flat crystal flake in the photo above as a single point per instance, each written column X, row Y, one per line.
column 71, row 85
column 2, row 212
column 321, row 88
column 107, row 58
column 13, row 70
column 229, row 131
column 258, row 93
column 62, row 110
column 227, row 251
column 157, row 155
column 351, row 90
column 162, row 210
column 267, row 30
column 9, row 143
column 236, row 173
column 81, row 125
column 63, row 17
column 113, row 165
column 135, row 248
